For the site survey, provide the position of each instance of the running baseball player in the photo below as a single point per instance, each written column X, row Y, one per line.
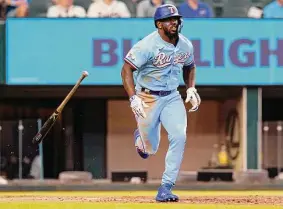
column 155, row 64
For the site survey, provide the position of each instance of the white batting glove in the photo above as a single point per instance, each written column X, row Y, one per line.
column 194, row 98
column 137, row 106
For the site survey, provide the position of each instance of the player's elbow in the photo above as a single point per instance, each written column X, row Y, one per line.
column 123, row 73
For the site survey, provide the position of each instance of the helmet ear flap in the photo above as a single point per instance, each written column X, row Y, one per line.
column 181, row 23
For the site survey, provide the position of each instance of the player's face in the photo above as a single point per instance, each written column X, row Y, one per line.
column 170, row 26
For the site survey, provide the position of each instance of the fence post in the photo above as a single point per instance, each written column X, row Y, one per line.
column 265, row 145
column 279, row 145
column 20, row 128
column 39, row 124
column 2, row 52
column 0, row 147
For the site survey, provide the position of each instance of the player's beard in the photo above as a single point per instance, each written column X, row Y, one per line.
column 171, row 35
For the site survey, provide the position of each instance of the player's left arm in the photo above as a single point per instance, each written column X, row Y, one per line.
column 189, row 76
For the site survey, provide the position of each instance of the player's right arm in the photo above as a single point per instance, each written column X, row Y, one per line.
column 128, row 81
column 134, row 60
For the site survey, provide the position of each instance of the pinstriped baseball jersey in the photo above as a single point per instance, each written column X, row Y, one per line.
column 159, row 63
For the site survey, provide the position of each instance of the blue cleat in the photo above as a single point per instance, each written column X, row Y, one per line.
column 165, row 195
column 143, row 154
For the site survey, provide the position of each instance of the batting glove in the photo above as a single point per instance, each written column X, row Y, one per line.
column 194, row 98
column 137, row 106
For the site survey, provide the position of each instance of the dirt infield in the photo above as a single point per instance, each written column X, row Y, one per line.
column 246, row 200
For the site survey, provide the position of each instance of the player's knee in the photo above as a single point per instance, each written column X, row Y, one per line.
column 179, row 139
column 150, row 144
column 151, row 149
column 154, row 150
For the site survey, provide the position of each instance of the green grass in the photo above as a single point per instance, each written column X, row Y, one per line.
column 90, row 205
column 44, row 205
column 143, row 193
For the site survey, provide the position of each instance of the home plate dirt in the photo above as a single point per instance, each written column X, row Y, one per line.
column 246, row 200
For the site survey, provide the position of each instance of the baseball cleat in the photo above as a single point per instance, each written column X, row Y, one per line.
column 140, row 151
column 165, row 195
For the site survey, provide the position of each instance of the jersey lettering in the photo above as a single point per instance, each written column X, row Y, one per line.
column 162, row 60
column 181, row 58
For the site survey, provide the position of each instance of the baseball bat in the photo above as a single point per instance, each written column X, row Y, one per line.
column 52, row 119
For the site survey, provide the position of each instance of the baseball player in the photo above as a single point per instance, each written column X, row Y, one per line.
column 155, row 64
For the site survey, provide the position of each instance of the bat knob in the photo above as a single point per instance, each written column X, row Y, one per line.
column 85, row 73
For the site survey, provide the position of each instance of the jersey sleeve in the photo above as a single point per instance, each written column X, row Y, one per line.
column 190, row 61
column 137, row 56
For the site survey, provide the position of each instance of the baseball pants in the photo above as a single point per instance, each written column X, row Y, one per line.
column 171, row 113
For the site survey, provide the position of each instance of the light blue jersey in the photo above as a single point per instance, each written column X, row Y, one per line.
column 159, row 63
column 159, row 66
column 157, row 102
